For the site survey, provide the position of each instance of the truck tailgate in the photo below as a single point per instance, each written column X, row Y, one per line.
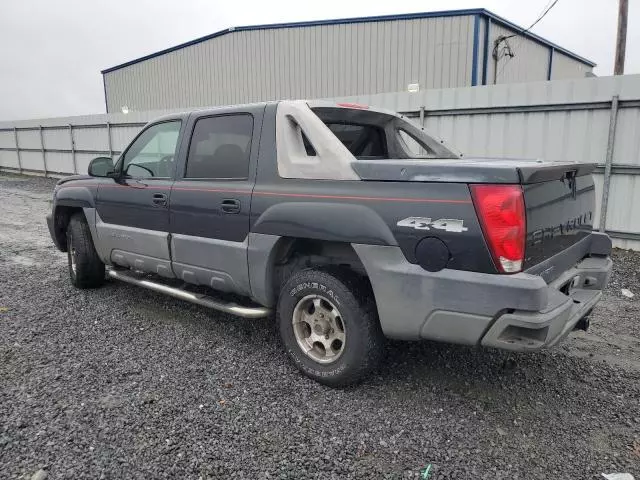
column 559, row 215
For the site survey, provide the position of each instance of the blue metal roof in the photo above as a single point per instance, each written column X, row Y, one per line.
column 381, row 18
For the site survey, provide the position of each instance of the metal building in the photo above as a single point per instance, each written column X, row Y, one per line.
column 330, row 58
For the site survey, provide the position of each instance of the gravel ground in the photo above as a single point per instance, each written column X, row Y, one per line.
column 123, row 383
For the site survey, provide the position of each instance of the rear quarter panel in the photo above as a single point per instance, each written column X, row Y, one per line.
column 369, row 213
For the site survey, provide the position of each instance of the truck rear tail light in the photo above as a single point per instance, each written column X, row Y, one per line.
column 501, row 211
column 359, row 106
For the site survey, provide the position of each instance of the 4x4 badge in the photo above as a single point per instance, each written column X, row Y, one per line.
column 421, row 223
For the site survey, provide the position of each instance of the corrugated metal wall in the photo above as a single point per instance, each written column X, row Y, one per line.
column 530, row 63
column 565, row 67
column 327, row 59
column 301, row 62
column 558, row 121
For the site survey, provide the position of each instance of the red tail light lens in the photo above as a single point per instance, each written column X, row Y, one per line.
column 359, row 106
column 502, row 217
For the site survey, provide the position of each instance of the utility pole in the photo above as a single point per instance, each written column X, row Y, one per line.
column 621, row 39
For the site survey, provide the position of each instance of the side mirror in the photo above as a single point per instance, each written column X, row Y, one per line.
column 101, row 167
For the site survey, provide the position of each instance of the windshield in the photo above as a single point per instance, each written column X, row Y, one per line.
column 371, row 135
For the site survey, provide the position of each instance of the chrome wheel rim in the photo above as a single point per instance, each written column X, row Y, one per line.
column 319, row 328
column 72, row 255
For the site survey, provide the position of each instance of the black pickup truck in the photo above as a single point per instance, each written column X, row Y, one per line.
column 351, row 223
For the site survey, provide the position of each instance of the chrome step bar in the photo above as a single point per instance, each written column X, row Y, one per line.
column 198, row 299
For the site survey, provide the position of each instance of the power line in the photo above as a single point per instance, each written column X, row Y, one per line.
column 545, row 11
column 540, row 17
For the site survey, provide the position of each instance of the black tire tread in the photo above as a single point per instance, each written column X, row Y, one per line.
column 372, row 336
column 89, row 268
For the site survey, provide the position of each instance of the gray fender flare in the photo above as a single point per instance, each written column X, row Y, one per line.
column 337, row 222
column 334, row 222
column 75, row 197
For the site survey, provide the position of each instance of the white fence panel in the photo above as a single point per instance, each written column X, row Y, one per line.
column 91, row 138
column 624, row 197
column 59, row 162
column 32, row 161
column 8, row 159
column 57, row 139
column 122, row 135
column 82, row 161
column 7, row 139
column 29, row 139
column 555, row 136
column 627, row 144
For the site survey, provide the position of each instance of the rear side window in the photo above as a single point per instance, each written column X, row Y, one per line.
column 220, row 147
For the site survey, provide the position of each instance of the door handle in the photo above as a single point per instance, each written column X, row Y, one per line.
column 159, row 199
column 230, row 205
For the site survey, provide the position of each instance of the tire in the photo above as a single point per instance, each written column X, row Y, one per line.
column 349, row 342
column 85, row 267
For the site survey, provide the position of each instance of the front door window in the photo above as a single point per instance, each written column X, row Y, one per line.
column 152, row 154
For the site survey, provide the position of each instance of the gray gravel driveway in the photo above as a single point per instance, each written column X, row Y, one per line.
column 123, row 383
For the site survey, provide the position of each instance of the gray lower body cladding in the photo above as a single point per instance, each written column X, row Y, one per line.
column 515, row 312
column 219, row 264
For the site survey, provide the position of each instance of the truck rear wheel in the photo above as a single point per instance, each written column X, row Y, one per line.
column 85, row 267
column 329, row 326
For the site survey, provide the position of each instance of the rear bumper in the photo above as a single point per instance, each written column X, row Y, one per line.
column 515, row 312
column 570, row 298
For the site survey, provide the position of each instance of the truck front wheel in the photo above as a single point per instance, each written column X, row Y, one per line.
column 85, row 267
column 329, row 326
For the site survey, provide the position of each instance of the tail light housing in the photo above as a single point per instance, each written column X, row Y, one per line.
column 501, row 211
column 359, row 106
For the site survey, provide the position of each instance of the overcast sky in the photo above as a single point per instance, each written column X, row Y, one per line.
column 53, row 50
